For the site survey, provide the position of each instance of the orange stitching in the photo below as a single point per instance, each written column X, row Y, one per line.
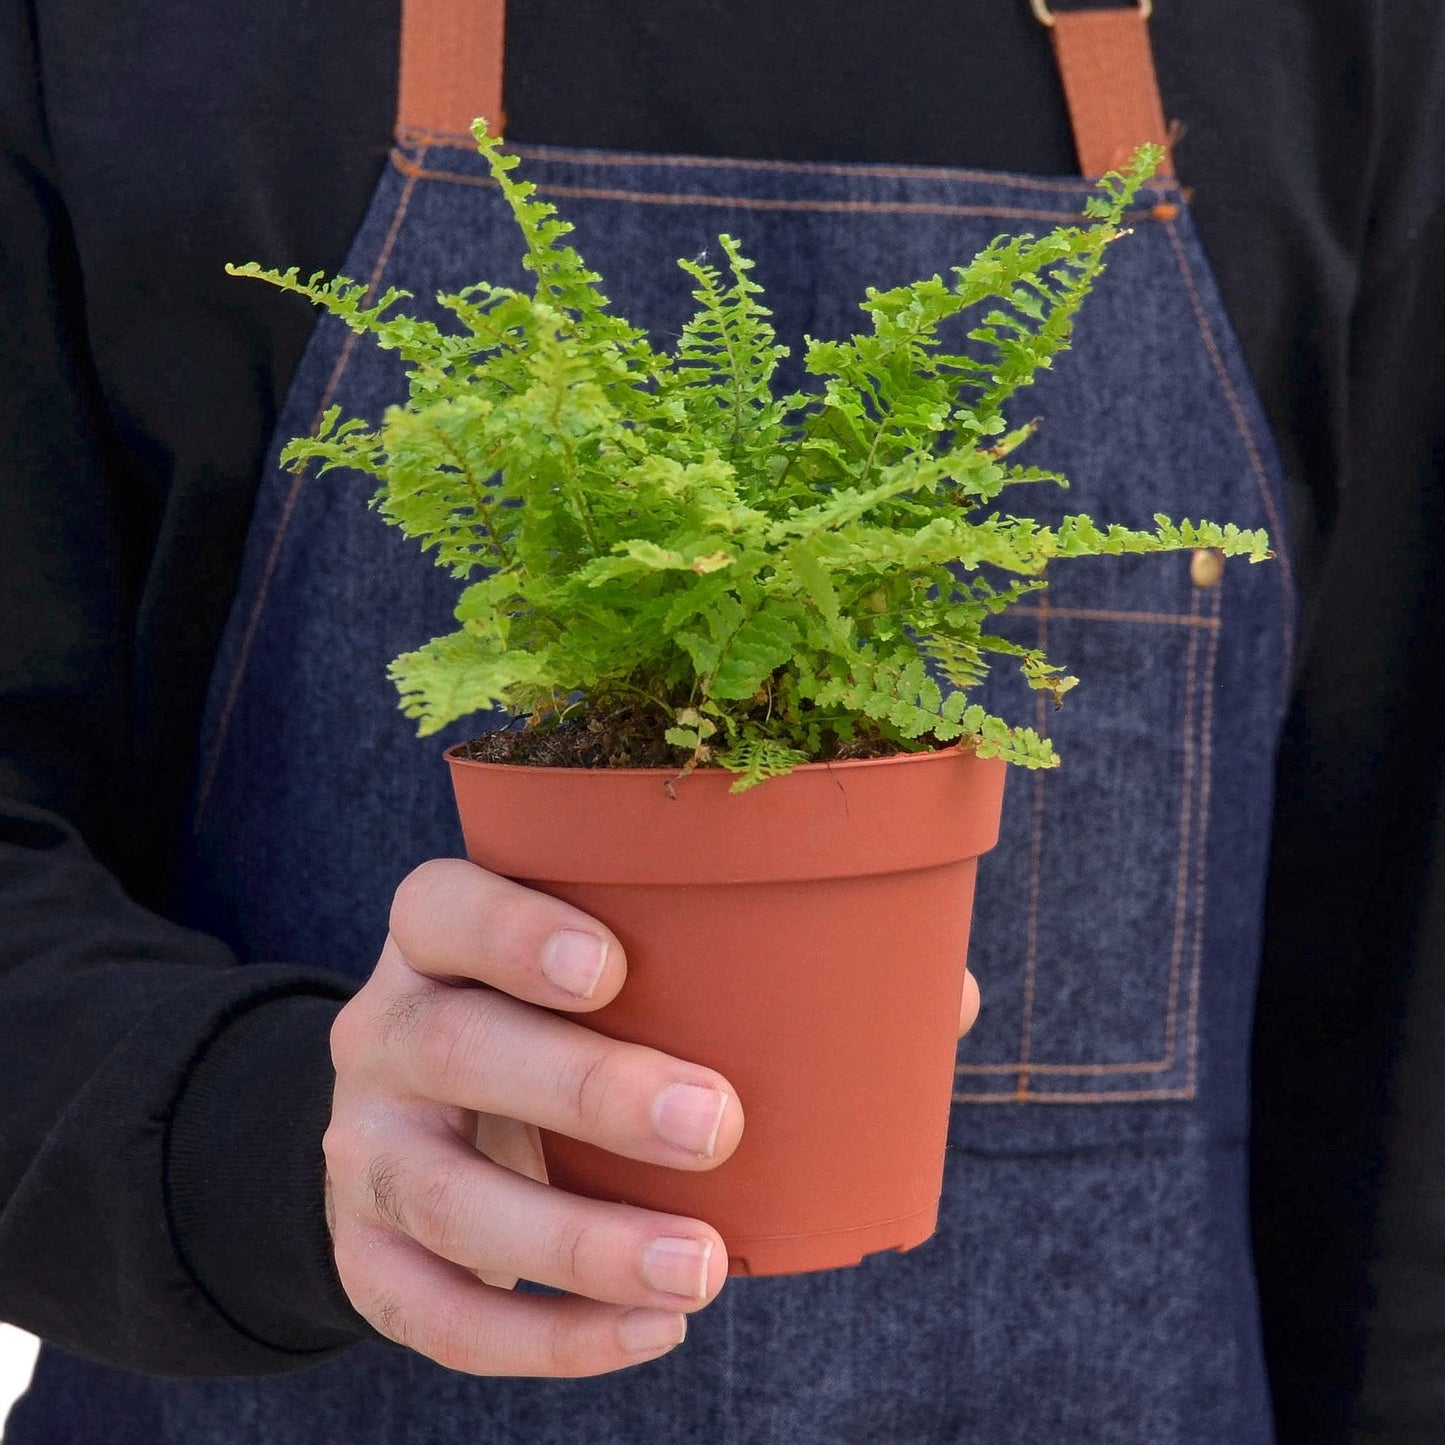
column 1122, row 1096
column 386, row 246
column 1036, row 850
column 1146, row 1066
column 1256, row 461
column 273, row 557
column 1186, row 821
column 417, row 137
column 1090, row 614
column 1031, row 929
column 1201, row 856
column 451, row 140
column 743, row 203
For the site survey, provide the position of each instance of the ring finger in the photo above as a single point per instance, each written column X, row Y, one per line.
column 494, row 1222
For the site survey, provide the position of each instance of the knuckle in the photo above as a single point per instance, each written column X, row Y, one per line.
column 386, row 1314
column 385, row 1179
column 448, row 1038
column 401, row 1016
column 346, row 1037
column 351, row 1260
column 441, row 1215
column 568, row 1351
column 591, row 1087
column 455, row 1343
column 338, row 1148
column 416, row 897
column 570, row 1247
column 379, row 1014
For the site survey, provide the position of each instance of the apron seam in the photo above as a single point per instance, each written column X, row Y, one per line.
column 1201, row 868
column 1121, row 1096
column 415, row 171
column 1036, row 853
column 1252, row 450
column 273, row 555
column 415, row 137
column 1102, row 614
column 1188, row 835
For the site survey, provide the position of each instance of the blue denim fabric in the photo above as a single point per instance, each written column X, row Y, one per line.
column 1091, row 1280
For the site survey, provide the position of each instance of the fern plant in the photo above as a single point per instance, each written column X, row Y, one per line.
column 771, row 578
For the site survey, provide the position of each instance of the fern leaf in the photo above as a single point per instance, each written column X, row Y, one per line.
column 1020, row 746
column 459, row 674
column 755, row 759
column 763, row 642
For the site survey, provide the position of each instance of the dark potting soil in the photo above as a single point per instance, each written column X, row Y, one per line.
column 620, row 737
column 629, row 736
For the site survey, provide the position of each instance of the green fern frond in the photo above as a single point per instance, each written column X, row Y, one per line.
column 727, row 356
column 756, row 759
column 459, row 674
column 778, row 575
column 1021, row 746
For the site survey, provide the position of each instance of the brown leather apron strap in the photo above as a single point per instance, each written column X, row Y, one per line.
column 452, row 55
column 1107, row 66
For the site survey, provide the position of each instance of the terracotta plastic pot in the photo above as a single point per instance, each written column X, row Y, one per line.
column 807, row 939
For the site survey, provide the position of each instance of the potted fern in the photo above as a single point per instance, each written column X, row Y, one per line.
column 741, row 634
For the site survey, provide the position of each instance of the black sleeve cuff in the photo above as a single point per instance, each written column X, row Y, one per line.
column 245, row 1175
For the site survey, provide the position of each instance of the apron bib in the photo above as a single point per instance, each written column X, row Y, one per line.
column 1091, row 1278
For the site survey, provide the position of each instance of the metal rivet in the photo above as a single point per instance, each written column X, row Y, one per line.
column 1206, row 567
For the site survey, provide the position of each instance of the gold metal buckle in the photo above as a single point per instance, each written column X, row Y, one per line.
column 1045, row 16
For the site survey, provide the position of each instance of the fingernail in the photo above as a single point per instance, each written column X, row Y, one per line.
column 678, row 1266
column 649, row 1332
column 574, row 961
column 689, row 1116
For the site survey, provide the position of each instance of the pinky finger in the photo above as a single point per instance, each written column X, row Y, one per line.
column 441, row 1310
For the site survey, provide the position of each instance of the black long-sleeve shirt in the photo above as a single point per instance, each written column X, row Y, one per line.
column 161, row 1108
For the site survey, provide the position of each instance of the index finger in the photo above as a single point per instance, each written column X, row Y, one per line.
column 454, row 921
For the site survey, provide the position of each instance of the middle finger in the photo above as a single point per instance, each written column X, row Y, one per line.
column 485, row 1051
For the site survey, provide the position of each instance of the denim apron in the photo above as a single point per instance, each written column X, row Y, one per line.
column 1091, row 1279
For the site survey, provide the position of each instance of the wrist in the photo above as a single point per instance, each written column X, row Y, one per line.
column 245, row 1177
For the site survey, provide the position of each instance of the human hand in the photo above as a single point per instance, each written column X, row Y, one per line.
column 446, row 1064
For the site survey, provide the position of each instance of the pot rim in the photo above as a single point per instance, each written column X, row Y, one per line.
column 822, row 820
column 454, row 754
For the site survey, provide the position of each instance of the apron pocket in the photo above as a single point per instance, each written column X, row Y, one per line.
column 1091, row 995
